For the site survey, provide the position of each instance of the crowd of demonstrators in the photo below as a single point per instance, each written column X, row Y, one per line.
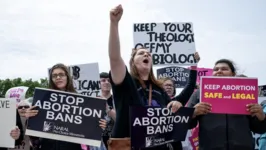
column 123, row 87
column 231, row 132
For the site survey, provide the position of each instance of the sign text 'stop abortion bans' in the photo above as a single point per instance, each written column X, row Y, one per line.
column 67, row 116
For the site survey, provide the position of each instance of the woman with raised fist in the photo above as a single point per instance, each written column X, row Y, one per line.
column 137, row 88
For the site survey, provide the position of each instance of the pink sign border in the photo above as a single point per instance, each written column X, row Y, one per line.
column 246, row 113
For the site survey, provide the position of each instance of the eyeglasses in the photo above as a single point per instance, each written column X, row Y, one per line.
column 25, row 107
column 60, row 75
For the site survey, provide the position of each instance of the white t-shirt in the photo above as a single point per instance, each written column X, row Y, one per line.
column 186, row 144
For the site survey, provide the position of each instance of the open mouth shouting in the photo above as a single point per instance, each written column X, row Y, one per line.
column 146, row 61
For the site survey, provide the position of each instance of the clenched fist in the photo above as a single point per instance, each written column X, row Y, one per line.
column 116, row 14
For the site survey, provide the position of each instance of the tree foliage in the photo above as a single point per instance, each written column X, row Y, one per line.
column 9, row 83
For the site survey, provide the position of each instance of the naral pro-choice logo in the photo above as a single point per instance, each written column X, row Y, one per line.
column 47, row 126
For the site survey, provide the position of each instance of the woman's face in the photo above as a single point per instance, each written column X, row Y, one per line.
column 142, row 60
column 22, row 109
column 169, row 87
column 222, row 69
column 59, row 78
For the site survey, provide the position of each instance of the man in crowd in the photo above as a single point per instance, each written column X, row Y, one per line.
column 109, row 117
column 110, row 112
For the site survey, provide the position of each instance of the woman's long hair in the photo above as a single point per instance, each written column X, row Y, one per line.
column 134, row 71
column 69, row 85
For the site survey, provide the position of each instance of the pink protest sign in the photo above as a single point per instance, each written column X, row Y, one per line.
column 194, row 139
column 229, row 95
column 203, row 72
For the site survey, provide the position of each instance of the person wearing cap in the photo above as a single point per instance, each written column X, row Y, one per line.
column 22, row 107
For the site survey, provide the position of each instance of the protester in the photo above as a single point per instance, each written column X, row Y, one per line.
column 110, row 112
column 108, row 123
column 226, row 131
column 59, row 79
column 169, row 86
column 17, row 132
column 25, row 144
column 139, row 88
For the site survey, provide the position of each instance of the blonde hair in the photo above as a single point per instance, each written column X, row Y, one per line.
column 24, row 103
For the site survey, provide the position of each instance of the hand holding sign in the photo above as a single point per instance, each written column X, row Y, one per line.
column 197, row 57
column 256, row 110
column 15, row 133
column 102, row 123
column 202, row 108
column 30, row 112
column 175, row 105
column 116, row 14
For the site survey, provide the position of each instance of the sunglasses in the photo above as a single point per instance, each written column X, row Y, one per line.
column 25, row 107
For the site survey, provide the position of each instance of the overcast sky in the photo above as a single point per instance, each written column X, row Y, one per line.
column 34, row 35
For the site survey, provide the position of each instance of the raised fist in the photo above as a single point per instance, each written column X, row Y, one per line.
column 116, row 14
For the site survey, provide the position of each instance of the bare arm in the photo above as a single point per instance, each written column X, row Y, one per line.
column 118, row 68
column 112, row 114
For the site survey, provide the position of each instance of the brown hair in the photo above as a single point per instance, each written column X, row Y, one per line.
column 166, row 79
column 229, row 63
column 69, row 86
column 134, row 72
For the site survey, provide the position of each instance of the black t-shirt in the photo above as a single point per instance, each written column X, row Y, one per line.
column 110, row 102
column 131, row 93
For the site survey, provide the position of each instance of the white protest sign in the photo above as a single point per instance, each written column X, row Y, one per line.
column 169, row 43
column 86, row 78
column 18, row 93
column 8, row 121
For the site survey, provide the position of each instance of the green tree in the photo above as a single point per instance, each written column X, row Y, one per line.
column 9, row 83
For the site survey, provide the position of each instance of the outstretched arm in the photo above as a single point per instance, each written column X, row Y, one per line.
column 191, row 103
column 118, row 68
column 185, row 94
